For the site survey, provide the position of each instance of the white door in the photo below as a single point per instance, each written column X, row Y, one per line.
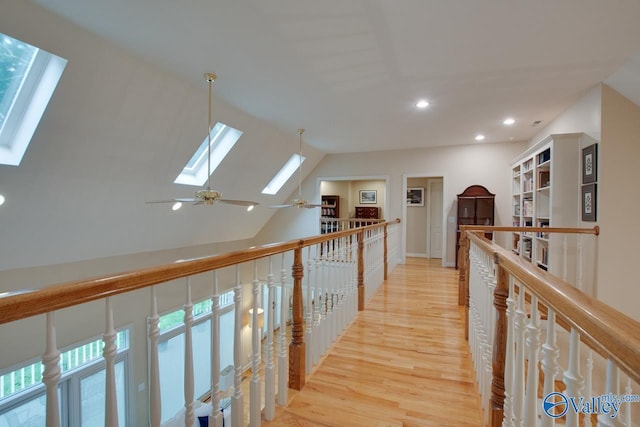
column 435, row 219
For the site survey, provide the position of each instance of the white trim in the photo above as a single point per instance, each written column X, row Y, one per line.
column 30, row 104
column 403, row 246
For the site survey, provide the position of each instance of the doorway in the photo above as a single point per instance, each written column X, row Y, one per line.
column 424, row 217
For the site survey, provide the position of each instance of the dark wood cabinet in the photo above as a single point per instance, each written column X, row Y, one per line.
column 476, row 206
column 367, row 212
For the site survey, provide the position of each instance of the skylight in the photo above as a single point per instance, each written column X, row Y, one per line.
column 283, row 176
column 28, row 78
column 223, row 138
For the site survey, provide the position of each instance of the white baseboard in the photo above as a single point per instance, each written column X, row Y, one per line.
column 417, row 255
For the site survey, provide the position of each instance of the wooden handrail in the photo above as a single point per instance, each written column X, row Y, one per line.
column 491, row 228
column 56, row 297
column 611, row 333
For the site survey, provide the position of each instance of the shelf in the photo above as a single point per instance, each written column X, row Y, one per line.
column 542, row 239
column 547, row 188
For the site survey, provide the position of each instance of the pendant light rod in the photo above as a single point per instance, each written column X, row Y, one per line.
column 210, row 77
column 300, row 131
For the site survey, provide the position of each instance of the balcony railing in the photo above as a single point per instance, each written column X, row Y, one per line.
column 332, row 277
column 545, row 351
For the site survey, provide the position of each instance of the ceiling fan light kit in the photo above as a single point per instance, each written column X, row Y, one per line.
column 209, row 196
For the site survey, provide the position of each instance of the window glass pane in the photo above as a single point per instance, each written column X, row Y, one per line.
column 227, row 320
column 202, row 358
column 171, row 360
column 92, row 397
column 15, row 59
column 30, row 413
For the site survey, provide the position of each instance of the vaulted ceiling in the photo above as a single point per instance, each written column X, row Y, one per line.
column 352, row 70
column 131, row 106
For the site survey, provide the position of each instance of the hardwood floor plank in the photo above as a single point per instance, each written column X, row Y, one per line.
column 403, row 361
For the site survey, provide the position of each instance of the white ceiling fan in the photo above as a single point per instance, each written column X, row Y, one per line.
column 299, row 202
column 208, row 196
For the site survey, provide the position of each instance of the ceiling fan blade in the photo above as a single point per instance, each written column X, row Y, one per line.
column 281, row 206
column 160, row 201
column 311, row 206
column 171, row 200
column 238, row 202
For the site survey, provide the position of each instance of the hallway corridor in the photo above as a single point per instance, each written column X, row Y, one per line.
column 403, row 361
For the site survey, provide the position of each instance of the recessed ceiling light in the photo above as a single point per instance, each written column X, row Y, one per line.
column 250, row 208
column 2, row 199
column 423, row 103
column 176, row 206
column 479, row 137
column 508, row 121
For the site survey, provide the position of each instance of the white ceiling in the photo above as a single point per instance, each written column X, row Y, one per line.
column 351, row 70
column 130, row 108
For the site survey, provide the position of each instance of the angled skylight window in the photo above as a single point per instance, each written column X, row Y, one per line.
column 285, row 173
column 28, row 78
column 223, row 138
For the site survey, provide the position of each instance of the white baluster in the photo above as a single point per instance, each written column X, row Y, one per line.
column 189, row 405
column 308, row 312
column 334, row 279
column 155, row 401
column 326, row 277
column 518, row 377
column 509, row 355
column 51, row 375
column 579, row 278
column 109, row 352
column 237, row 408
column 612, row 385
column 283, row 356
column 256, row 335
column 269, row 371
column 533, row 345
column 215, row 419
column 550, row 368
column 572, row 377
column 316, row 346
column 627, row 409
column 588, row 383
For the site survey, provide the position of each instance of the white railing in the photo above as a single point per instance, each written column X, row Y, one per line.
column 331, row 276
column 545, row 352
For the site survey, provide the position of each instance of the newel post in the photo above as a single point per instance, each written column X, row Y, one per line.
column 463, row 284
column 360, row 271
column 500, row 295
column 297, row 347
column 386, row 258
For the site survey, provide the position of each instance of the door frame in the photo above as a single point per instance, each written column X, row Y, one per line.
column 433, row 181
column 444, row 179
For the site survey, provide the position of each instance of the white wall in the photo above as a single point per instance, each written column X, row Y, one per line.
column 461, row 166
column 617, row 204
column 582, row 116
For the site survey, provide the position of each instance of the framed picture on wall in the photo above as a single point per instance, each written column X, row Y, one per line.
column 589, row 199
column 590, row 164
column 415, row 196
column 368, row 197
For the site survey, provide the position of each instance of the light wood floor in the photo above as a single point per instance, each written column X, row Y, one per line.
column 403, row 361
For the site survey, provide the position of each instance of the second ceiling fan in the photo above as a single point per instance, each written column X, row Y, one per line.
column 299, row 202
